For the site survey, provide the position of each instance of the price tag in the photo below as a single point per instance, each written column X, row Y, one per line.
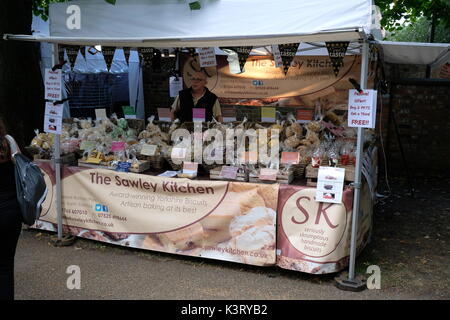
column 129, row 112
column 304, row 115
column 164, row 114
column 123, row 166
column 198, row 114
column 190, row 167
column 290, row 157
column 268, row 174
column 228, row 172
column 100, row 114
column 148, row 149
column 268, row 114
column 86, row 145
column 178, row 153
column 249, row 157
column 118, row 146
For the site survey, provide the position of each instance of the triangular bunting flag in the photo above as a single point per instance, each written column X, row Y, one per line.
column 108, row 55
column 192, row 51
column 83, row 51
column 72, row 53
column 126, row 52
column 146, row 56
column 242, row 52
column 61, row 53
column 288, row 52
column 336, row 51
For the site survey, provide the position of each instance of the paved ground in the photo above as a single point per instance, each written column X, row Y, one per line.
column 410, row 244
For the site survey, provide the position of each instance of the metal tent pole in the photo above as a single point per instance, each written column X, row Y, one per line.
column 351, row 283
column 57, row 161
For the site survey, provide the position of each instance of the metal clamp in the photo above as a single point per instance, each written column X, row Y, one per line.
column 355, row 185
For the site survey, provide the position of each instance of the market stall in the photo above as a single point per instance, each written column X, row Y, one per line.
column 262, row 213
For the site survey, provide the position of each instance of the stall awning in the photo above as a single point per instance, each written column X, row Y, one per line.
column 171, row 23
column 414, row 52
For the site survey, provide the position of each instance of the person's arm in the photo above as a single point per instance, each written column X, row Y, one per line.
column 217, row 111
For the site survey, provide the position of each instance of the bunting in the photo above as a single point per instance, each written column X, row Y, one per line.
column 108, row 55
column 288, row 52
column 127, row 52
column 242, row 52
column 61, row 53
column 336, row 51
column 83, row 51
column 72, row 53
column 146, row 56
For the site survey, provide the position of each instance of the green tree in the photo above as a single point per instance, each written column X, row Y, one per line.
column 419, row 31
column 398, row 13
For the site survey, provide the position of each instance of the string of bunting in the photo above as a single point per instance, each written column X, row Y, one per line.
column 108, row 55
column 336, row 52
column 72, row 54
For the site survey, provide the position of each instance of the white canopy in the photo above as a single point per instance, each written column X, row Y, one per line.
column 414, row 52
column 171, row 23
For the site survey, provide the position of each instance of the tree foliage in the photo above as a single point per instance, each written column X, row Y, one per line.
column 410, row 11
column 419, row 31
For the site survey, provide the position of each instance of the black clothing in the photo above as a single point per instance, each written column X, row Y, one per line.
column 187, row 104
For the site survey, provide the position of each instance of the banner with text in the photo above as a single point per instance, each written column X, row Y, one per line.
column 314, row 237
column 212, row 219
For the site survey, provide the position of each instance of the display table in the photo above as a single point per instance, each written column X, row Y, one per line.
column 231, row 221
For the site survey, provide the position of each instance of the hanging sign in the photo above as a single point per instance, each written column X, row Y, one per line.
column 175, row 86
column 127, row 52
column 146, row 56
column 362, row 108
column 53, row 118
column 207, row 57
column 242, row 52
column 330, row 184
column 336, row 52
column 72, row 53
column 288, row 52
column 108, row 55
column 53, row 84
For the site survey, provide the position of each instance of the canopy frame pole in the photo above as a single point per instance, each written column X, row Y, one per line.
column 57, row 161
column 351, row 283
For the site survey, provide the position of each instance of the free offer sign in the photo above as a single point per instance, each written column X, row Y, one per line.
column 362, row 108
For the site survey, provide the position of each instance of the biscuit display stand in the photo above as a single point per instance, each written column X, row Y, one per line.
column 232, row 221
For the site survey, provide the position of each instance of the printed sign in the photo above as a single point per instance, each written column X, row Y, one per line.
column 198, row 114
column 290, row 157
column 268, row 174
column 304, row 115
column 100, row 114
column 330, row 184
column 164, row 114
column 268, row 114
column 362, row 108
column 53, row 84
column 118, row 146
column 207, row 57
column 52, row 124
column 129, row 112
column 190, row 167
column 228, row 172
column 228, row 114
column 148, row 149
column 221, row 220
column 175, row 86
column 123, row 166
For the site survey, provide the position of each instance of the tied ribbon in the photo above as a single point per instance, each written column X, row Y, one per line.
column 288, row 52
column 336, row 52
column 108, row 55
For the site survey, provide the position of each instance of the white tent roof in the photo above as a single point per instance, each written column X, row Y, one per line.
column 171, row 23
column 414, row 52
